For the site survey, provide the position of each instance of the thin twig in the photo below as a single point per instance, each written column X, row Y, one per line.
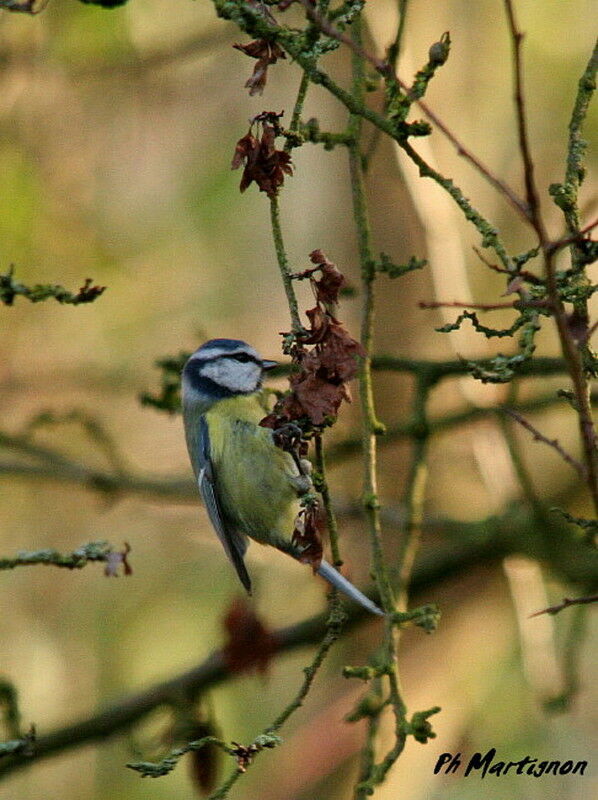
column 184, row 490
column 415, row 487
column 371, row 427
column 572, row 653
column 522, row 472
column 320, row 462
column 521, row 273
column 554, row 443
column 501, row 186
column 334, row 625
column 394, row 51
column 590, row 332
column 572, row 352
column 250, row 20
column 531, row 192
column 326, row 27
column 456, row 304
column 386, row 69
column 470, row 548
column 569, row 346
column 87, row 553
column 298, row 109
column 125, row 713
column 577, row 236
column 566, row 602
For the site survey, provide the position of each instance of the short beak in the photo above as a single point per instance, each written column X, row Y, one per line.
column 269, row 364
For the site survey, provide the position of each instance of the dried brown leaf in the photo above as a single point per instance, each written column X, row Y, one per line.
column 264, row 164
column 307, row 535
column 250, row 643
column 266, row 53
column 245, row 150
column 332, row 280
column 319, row 399
column 338, row 351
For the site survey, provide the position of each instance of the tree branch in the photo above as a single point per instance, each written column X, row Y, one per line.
column 566, row 602
column 474, row 545
column 554, row 443
column 94, row 551
column 387, row 69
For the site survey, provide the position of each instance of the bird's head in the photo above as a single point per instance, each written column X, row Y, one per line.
column 222, row 368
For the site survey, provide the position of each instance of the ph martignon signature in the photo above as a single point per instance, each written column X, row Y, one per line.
column 488, row 764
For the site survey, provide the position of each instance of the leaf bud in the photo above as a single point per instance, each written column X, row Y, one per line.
column 439, row 51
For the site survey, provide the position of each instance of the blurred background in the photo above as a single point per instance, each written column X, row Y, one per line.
column 117, row 130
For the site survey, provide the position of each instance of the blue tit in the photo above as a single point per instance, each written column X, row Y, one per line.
column 250, row 486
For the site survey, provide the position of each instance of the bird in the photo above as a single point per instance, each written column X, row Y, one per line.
column 249, row 485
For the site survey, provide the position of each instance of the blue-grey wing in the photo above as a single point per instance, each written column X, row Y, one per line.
column 233, row 542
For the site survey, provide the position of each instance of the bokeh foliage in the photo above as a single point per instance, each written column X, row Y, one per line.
column 116, row 133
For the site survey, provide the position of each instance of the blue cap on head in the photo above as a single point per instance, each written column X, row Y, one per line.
column 226, row 345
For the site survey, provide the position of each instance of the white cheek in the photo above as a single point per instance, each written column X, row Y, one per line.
column 233, row 375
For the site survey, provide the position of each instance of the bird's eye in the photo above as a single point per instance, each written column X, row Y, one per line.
column 242, row 357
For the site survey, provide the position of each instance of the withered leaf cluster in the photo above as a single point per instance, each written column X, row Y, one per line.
column 266, row 53
column 244, row 753
column 263, row 163
column 250, row 645
column 307, row 535
column 325, row 355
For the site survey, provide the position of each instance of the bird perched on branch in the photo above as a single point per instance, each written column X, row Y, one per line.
column 250, row 486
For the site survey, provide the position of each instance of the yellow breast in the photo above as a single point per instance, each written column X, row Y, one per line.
column 253, row 476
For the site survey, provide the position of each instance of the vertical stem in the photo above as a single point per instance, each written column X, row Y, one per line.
column 394, row 50
column 371, row 426
column 415, row 489
column 325, row 492
column 578, row 625
column 569, row 347
column 298, row 108
column 581, row 387
column 531, row 192
column 576, row 146
column 368, row 753
column 283, row 265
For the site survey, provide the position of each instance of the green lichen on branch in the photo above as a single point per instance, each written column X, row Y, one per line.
column 398, row 103
column 299, row 45
column 565, row 194
column 87, row 553
column 480, row 328
column 10, row 289
column 503, row 368
column 425, row 617
column 392, row 270
column 156, row 769
column 310, row 132
column 419, row 727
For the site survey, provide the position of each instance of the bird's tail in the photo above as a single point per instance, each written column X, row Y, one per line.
column 329, row 573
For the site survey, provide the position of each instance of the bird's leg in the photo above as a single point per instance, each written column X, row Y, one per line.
column 289, row 437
